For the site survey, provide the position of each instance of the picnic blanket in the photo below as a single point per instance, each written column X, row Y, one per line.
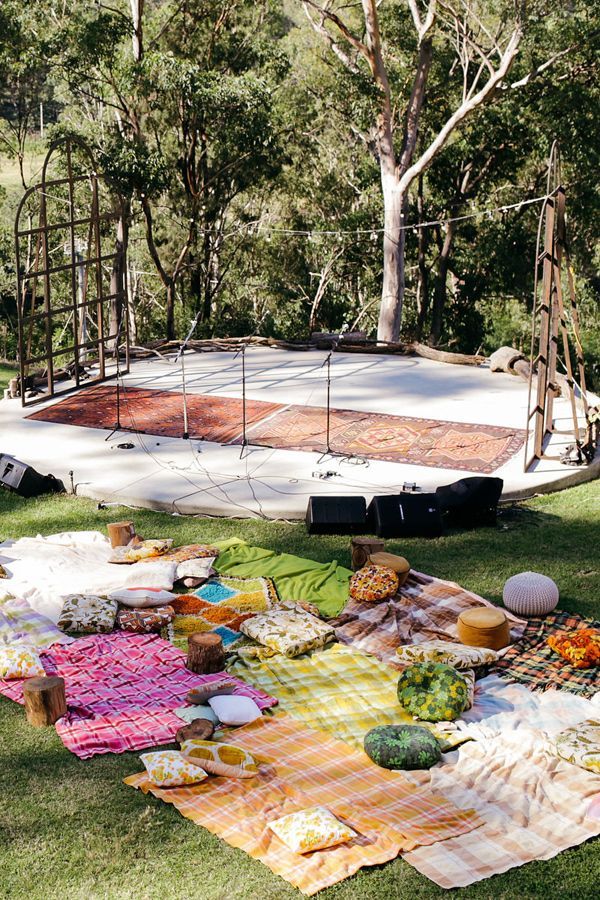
column 122, row 690
column 20, row 623
column 339, row 690
column 534, row 805
column 424, row 609
column 532, row 662
column 296, row 579
column 302, row 768
column 43, row 570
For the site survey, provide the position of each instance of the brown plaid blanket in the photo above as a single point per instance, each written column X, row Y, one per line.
column 532, row 662
column 424, row 609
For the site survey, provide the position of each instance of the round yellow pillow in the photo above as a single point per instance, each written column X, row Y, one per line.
column 373, row 583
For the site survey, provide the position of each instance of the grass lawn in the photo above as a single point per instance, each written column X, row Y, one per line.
column 71, row 829
column 6, row 373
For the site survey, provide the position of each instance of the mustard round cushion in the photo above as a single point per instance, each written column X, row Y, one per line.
column 483, row 626
column 433, row 692
column 373, row 583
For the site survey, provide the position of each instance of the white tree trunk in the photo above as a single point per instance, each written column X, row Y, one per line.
column 392, row 294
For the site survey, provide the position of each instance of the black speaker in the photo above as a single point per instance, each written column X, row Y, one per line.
column 405, row 515
column 17, row 476
column 470, row 502
column 336, row 515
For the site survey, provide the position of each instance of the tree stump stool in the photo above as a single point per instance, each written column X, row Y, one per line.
column 45, row 700
column 205, row 653
column 120, row 533
column 362, row 547
column 199, row 730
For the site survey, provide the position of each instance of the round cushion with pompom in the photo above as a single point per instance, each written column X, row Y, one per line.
column 373, row 583
column 433, row 692
column 530, row 594
column 402, row 747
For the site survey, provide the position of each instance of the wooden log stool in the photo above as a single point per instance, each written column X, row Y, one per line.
column 45, row 700
column 205, row 653
column 120, row 533
column 362, row 548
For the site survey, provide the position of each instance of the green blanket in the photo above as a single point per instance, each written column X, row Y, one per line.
column 324, row 584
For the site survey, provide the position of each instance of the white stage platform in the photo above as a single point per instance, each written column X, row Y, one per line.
column 198, row 477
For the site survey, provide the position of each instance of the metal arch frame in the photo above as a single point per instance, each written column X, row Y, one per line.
column 42, row 270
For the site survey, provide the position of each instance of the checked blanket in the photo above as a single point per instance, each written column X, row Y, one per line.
column 424, row 609
column 300, row 768
column 532, row 662
column 20, row 623
column 122, row 690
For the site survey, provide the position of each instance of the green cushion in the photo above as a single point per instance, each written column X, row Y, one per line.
column 433, row 692
column 402, row 747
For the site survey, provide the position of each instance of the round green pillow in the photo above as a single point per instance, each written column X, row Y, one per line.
column 402, row 747
column 433, row 692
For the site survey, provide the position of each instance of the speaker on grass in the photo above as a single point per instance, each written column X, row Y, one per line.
column 336, row 515
column 469, row 502
column 17, row 476
column 405, row 515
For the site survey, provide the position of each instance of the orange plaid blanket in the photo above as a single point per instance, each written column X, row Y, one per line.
column 302, row 768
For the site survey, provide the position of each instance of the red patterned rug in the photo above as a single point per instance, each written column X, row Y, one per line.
column 210, row 418
column 421, row 442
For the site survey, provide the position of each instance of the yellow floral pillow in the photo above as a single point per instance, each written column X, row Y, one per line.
column 311, row 829
column 373, row 583
column 220, row 759
column 19, row 661
column 169, row 768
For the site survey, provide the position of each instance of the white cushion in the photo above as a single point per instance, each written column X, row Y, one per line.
column 195, row 568
column 142, row 597
column 231, row 709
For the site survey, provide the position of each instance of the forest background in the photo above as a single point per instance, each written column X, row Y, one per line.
column 246, row 139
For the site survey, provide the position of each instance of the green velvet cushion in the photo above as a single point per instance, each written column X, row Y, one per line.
column 433, row 692
column 402, row 747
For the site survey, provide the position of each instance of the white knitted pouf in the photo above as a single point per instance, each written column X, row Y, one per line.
column 530, row 594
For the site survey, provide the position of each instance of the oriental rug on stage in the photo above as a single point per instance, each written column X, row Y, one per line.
column 422, row 442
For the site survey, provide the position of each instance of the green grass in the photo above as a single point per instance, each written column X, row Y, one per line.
column 71, row 829
column 6, row 373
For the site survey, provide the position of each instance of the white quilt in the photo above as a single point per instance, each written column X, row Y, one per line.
column 43, row 570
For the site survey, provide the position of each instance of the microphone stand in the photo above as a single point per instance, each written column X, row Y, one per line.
column 242, row 350
column 117, row 425
column 328, row 451
column 181, row 355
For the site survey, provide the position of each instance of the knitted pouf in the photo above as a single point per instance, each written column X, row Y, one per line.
column 530, row 594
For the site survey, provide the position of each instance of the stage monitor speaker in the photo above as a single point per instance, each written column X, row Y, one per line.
column 17, row 476
column 336, row 515
column 405, row 515
column 470, row 502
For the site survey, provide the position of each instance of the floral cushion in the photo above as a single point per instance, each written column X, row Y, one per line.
column 19, row 661
column 144, row 621
column 402, row 747
column 311, row 829
column 288, row 631
column 170, row 768
column 580, row 648
column 433, row 692
column 580, row 745
column 457, row 655
column 87, row 614
column 133, row 553
column 373, row 583
column 220, row 759
column 191, row 551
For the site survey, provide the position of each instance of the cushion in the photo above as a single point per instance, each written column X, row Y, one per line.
column 580, row 648
column 234, row 710
column 195, row 568
column 580, row 745
column 373, row 583
column 288, row 631
column 141, row 550
column 191, row 551
column 456, row 655
column 144, row 621
column 530, row 594
column 19, row 661
column 3, row 572
column 402, row 747
column 310, row 829
column 399, row 564
column 170, row 768
column 142, row 597
column 87, row 614
column 191, row 713
column 221, row 759
column 433, row 692
column 483, row 626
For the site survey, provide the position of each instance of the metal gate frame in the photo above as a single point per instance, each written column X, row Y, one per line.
column 79, row 310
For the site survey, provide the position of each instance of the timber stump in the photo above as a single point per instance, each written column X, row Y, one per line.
column 205, row 654
column 45, row 700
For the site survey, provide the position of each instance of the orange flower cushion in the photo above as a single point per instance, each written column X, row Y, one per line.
column 580, row 648
column 373, row 583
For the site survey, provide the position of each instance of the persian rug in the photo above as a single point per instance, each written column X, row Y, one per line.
column 20, row 623
column 532, row 662
column 210, row 418
column 533, row 804
column 302, row 768
column 221, row 605
column 424, row 609
column 400, row 439
column 122, row 690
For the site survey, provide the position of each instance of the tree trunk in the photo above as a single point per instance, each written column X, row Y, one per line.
column 423, row 276
column 117, row 283
column 205, row 653
column 44, row 699
column 392, row 294
column 170, row 323
column 441, row 287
